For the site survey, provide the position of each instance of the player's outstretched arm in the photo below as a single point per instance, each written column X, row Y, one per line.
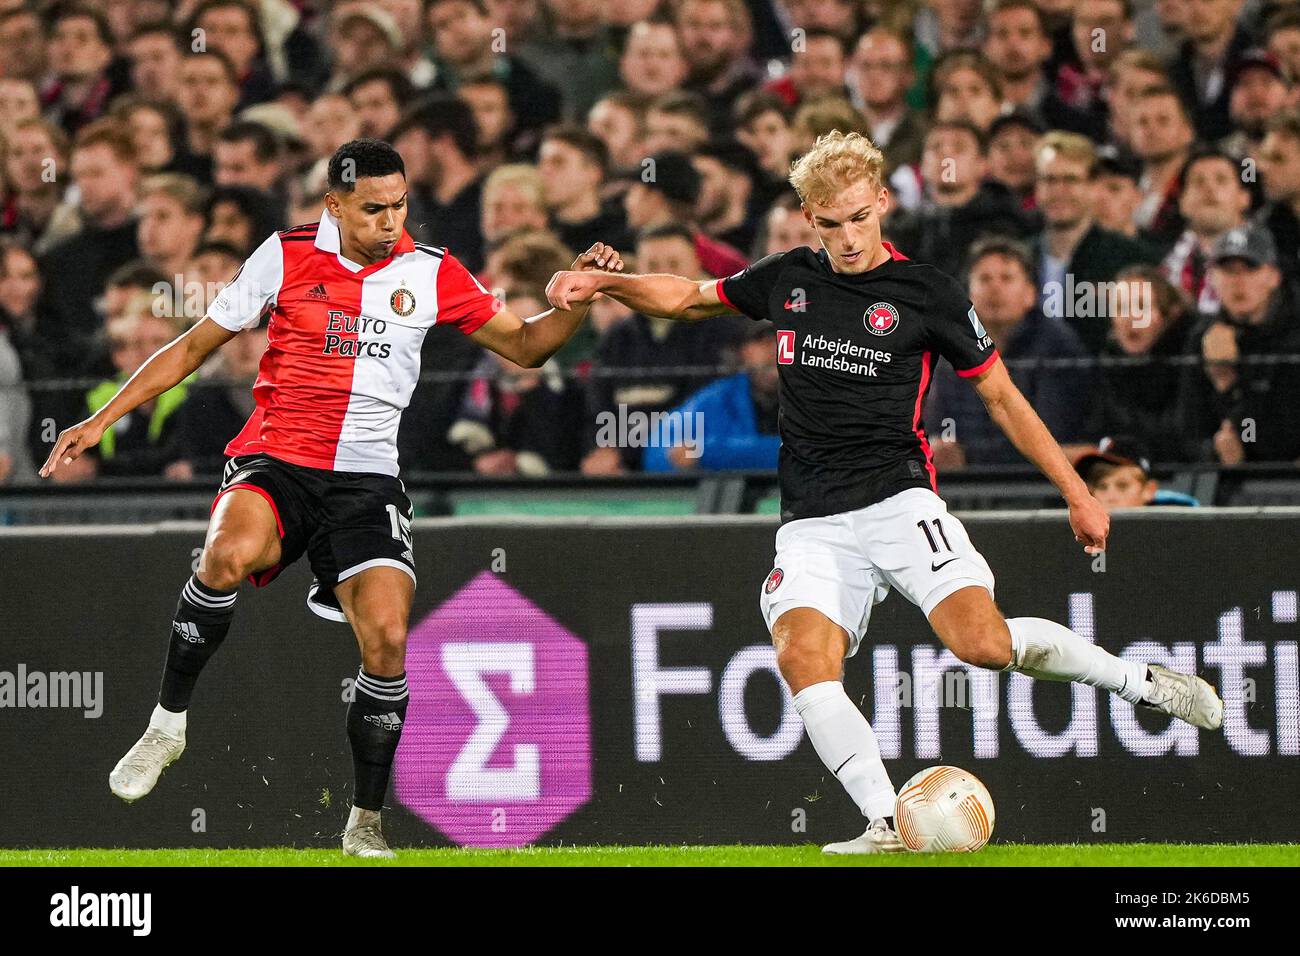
column 167, row 367
column 530, row 342
column 668, row 296
column 1021, row 424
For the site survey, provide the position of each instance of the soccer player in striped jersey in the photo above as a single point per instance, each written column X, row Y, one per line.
column 315, row 469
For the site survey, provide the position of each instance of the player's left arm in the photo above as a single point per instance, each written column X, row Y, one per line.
column 1012, row 413
column 530, row 342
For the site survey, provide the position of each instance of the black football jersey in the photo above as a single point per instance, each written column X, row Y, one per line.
column 855, row 355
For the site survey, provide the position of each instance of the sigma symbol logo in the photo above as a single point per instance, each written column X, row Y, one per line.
column 881, row 318
column 402, row 301
column 774, row 580
column 785, row 346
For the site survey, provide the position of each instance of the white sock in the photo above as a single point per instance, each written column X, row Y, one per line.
column 172, row 724
column 359, row 815
column 1046, row 650
column 847, row 745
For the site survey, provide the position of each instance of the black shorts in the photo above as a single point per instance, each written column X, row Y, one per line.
column 345, row 521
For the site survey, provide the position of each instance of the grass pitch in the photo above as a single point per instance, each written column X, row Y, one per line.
column 1007, row 854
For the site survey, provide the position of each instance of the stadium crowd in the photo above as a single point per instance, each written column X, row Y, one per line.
column 1117, row 182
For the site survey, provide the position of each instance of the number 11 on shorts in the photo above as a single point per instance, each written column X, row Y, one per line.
column 934, row 545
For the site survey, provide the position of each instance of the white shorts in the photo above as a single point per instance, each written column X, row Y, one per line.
column 843, row 564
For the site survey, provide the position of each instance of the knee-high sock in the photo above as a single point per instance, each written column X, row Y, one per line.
column 847, row 745
column 203, row 617
column 1046, row 650
column 375, row 719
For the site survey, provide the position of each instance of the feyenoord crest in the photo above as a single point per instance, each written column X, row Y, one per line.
column 774, row 580
column 402, row 301
column 880, row 318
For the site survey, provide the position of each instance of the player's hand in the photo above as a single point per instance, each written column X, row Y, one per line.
column 599, row 256
column 71, row 443
column 1090, row 523
column 566, row 290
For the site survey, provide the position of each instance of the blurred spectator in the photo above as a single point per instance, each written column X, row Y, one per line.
column 763, row 127
column 650, row 364
column 105, row 174
column 739, row 415
column 573, row 164
column 1162, row 141
column 1215, row 39
column 724, row 209
column 1279, row 174
column 19, row 101
column 1012, row 138
column 242, row 217
column 1076, row 259
column 667, row 191
column 438, row 142
column 1100, row 31
column 80, row 54
column 520, row 421
column 513, row 200
column 231, row 27
column 169, row 221
column 36, row 157
column 464, row 44
column 676, row 121
column 960, row 203
column 1282, row 38
column 1250, row 399
column 1212, row 200
column 577, row 55
column 1115, row 191
column 1002, row 291
column 137, row 444
column 966, row 88
column 248, row 154
column 1134, row 73
column 216, row 405
column 377, row 96
column 155, row 56
column 23, row 44
column 207, row 94
column 361, row 37
column 817, row 68
column 1140, row 388
column 1018, row 46
column 15, row 414
column 489, row 102
column 157, row 129
column 786, row 228
column 879, row 77
column 619, row 120
column 652, row 62
column 330, row 122
column 1118, row 474
column 1260, row 90
column 715, row 37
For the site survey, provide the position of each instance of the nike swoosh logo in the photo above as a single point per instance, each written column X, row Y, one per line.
column 842, row 766
column 790, row 305
column 936, row 567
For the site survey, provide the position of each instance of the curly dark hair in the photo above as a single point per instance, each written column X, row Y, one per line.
column 359, row 159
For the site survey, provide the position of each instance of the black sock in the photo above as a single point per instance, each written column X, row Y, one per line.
column 375, row 719
column 203, row 616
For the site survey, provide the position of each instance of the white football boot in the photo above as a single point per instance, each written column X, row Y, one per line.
column 138, row 771
column 363, row 837
column 879, row 838
column 1184, row 696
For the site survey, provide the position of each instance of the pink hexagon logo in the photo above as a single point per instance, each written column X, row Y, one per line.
column 497, row 744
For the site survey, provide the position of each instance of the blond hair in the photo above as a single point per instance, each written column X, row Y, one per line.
column 1072, row 146
column 836, row 160
column 526, row 177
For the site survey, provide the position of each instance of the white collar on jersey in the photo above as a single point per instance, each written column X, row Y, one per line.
column 328, row 240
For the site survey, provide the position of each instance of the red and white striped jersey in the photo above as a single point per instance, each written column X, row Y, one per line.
column 343, row 342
